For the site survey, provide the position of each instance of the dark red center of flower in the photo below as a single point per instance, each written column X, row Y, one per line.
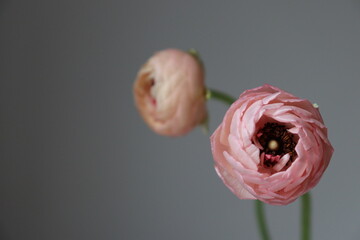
column 276, row 141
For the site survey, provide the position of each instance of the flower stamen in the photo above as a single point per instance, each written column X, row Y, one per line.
column 273, row 145
column 276, row 142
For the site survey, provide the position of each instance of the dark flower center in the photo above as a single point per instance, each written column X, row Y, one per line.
column 276, row 141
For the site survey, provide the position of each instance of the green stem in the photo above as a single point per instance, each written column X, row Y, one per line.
column 211, row 93
column 259, row 206
column 260, row 215
column 306, row 217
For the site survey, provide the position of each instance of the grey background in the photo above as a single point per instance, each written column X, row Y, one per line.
column 78, row 162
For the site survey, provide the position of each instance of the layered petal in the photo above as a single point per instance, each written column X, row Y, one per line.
column 253, row 169
column 169, row 92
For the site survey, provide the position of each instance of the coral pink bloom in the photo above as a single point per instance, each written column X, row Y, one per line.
column 271, row 146
column 170, row 93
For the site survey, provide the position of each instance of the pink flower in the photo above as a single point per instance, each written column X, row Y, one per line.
column 170, row 92
column 271, row 146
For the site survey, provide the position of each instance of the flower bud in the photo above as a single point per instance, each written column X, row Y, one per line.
column 169, row 92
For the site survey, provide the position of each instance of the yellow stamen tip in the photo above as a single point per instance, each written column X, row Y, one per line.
column 273, row 145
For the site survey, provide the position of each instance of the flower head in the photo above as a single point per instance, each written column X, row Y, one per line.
column 271, row 146
column 170, row 93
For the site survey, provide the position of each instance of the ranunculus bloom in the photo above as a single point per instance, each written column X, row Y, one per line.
column 170, row 92
column 271, row 146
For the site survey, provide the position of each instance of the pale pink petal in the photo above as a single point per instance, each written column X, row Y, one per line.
column 240, row 154
column 233, row 184
column 283, row 161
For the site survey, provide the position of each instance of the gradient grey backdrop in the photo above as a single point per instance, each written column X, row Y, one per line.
column 77, row 161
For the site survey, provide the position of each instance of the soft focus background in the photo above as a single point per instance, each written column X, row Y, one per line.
column 78, row 162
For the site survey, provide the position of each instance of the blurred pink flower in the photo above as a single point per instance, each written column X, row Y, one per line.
column 169, row 92
column 271, row 146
